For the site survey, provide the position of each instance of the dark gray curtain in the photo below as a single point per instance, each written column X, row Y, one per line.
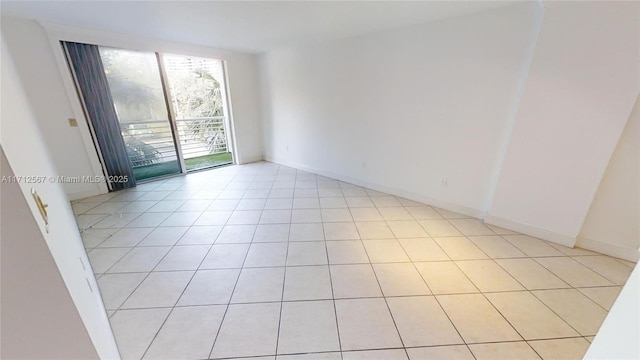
column 92, row 83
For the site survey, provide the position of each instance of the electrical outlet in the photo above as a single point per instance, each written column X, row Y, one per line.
column 444, row 182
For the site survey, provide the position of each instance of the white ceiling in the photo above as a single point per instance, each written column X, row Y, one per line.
column 253, row 26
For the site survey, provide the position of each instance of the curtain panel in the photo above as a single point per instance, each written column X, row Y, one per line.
column 92, row 83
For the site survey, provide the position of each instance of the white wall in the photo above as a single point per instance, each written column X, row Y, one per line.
column 243, row 79
column 39, row 320
column 612, row 225
column 618, row 336
column 401, row 110
column 583, row 82
column 28, row 156
column 42, row 81
column 50, row 90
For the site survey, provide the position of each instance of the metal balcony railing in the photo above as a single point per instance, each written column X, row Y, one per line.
column 150, row 142
column 202, row 136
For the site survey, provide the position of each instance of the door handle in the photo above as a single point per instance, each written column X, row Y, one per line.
column 42, row 207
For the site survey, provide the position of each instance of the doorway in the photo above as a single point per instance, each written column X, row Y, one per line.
column 171, row 110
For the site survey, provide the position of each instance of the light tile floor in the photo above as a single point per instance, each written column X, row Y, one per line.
column 265, row 261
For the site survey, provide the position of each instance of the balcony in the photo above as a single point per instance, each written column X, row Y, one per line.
column 152, row 152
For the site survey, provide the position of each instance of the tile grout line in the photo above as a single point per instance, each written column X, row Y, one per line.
column 383, row 294
column 117, row 261
column 138, row 286
column 230, row 298
column 284, row 283
column 507, row 320
column 183, row 290
column 435, row 297
column 595, row 270
column 152, row 271
column 491, row 304
column 333, row 296
column 571, row 287
column 438, row 300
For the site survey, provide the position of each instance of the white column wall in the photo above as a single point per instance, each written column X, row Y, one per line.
column 583, row 82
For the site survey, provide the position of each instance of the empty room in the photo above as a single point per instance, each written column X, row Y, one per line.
column 311, row 180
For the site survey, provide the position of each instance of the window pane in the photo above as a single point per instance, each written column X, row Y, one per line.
column 197, row 93
column 195, row 85
column 136, row 89
column 135, row 84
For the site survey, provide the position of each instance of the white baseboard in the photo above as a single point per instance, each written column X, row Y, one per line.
column 620, row 252
column 554, row 237
column 249, row 159
column 476, row 213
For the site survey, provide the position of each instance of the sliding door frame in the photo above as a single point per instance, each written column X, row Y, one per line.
column 226, row 98
column 171, row 113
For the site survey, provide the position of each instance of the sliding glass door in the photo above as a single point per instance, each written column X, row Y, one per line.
column 199, row 102
column 138, row 97
column 169, row 112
